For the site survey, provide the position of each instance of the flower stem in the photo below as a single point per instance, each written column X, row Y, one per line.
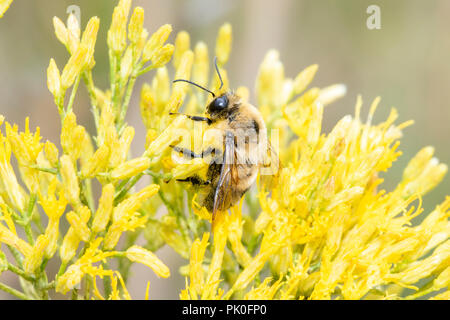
column 123, row 192
column 89, row 82
column 27, row 218
column 13, row 292
column 72, row 95
column 124, row 109
column 16, row 254
column 20, row 273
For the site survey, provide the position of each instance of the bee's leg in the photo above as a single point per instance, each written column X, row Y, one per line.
column 192, row 154
column 193, row 118
column 210, row 150
column 195, row 180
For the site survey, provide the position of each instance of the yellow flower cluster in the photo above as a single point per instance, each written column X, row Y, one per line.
column 60, row 185
column 324, row 229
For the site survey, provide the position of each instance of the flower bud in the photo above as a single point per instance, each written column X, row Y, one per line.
column 130, row 168
column 136, row 25
column 148, row 258
column 60, row 31
column 104, row 211
column 53, row 79
column 223, row 44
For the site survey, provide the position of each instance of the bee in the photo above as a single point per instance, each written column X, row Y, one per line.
column 242, row 148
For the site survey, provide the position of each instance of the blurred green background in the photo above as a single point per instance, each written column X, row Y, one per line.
column 406, row 62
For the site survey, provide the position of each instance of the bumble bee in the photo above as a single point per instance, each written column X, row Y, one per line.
column 242, row 149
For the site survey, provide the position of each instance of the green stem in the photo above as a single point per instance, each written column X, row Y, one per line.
column 87, row 191
column 145, row 70
column 27, row 218
column 89, row 82
column 115, row 81
column 61, row 270
column 59, row 101
column 48, row 286
column 48, row 170
column 122, row 193
column 107, row 281
column 124, row 109
column 13, row 292
column 42, row 280
column 157, row 175
column 75, row 294
column 17, row 255
column 20, row 273
column 72, row 94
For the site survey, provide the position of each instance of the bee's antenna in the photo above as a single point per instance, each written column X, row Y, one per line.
column 197, row 85
column 218, row 73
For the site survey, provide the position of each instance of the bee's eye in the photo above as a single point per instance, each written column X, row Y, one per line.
column 220, row 103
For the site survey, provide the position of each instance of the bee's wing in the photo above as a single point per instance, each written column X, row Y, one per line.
column 228, row 176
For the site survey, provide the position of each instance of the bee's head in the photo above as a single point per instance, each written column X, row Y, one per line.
column 218, row 108
column 218, row 105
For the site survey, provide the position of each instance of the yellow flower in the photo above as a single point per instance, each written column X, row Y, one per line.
column 125, row 216
column 84, row 265
column 131, row 168
column 191, row 167
column 172, row 238
column 162, row 56
column 141, row 255
column 156, row 42
column 79, row 226
column 4, row 5
column 34, row 259
column 54, row 79
column 135, row 26
column 72, row 238
column 264, row 291
column 304, row 78
column 72, row 137
column 70, row 180
column 220, row 239
column 61, row 31
column 54, row 208
column 223, row 45
column 117, row 33
column 323, row 228
column 97, row 163
column 196, row 273
column 51, row 153
column 200, row 69
column 69, row 279
column 119, row 154
column 182, row 44
column 104, row 211
column 11, row 239
column 73, row 31
column 9, row 179
column 74, row 66
column 89, row 39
